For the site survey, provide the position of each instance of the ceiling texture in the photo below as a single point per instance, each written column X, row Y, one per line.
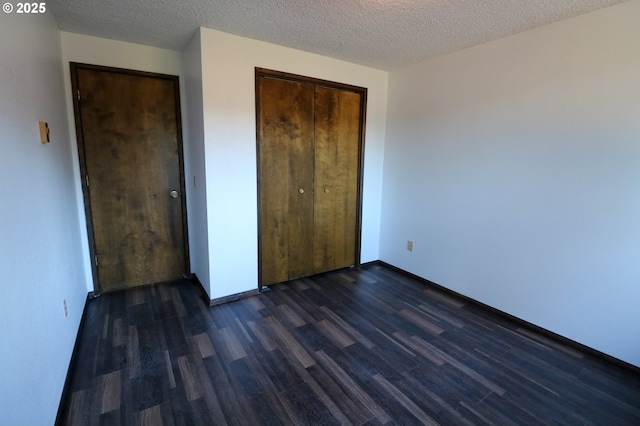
column 383, row 34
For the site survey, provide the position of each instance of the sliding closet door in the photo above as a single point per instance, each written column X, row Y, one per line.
column 286, row 133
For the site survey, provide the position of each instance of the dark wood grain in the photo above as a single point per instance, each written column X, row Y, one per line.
column 285, row 158
column 129, row 137
column 337, row 149
column 310, row 138
column 371, row 347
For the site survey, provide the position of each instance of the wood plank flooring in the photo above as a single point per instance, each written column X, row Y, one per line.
column 366, row 347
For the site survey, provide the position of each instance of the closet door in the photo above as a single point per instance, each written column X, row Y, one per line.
column 337, row 143
column 309, row 144
column 285, row 167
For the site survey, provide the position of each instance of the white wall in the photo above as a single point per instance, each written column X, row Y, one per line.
column 40, row 242
column 100, row 51
column 228, row 64
column 514, row 166
column 194, row 158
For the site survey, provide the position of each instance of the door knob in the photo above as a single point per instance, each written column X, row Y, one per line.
column 301, row 191
column 174, row 194
column 326, row 190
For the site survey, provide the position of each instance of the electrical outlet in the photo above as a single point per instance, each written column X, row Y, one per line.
column 64, row 307
column 410, row 245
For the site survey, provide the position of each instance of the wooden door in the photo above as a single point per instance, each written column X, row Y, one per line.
column 286, row 179
column 129, row 139
column 337, row 143
column 310, row 138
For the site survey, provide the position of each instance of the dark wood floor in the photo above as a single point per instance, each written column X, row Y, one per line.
column 350, row 347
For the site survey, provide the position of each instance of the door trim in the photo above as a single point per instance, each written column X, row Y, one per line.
column 75, row 67
column 362, row 91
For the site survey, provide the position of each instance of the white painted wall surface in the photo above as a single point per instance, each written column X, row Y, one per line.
column 110, row 53
column 228, row 64
column 514, row 166
column 40, row 241
column 194, row 159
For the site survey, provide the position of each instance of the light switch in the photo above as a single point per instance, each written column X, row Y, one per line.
column 44, row 132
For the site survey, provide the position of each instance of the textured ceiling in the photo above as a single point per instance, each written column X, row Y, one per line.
column 384, row 34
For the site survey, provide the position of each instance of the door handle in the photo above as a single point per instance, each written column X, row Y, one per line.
column 174, row 194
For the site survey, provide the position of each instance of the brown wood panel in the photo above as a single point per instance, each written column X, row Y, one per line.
column 337, row 150
column 130, row 143
column 285, row 152
column 310, row 143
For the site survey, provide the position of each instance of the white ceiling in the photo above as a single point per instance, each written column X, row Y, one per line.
column 383, row 34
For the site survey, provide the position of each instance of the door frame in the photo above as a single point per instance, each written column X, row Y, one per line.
column 362, row 91
column 75, row 95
